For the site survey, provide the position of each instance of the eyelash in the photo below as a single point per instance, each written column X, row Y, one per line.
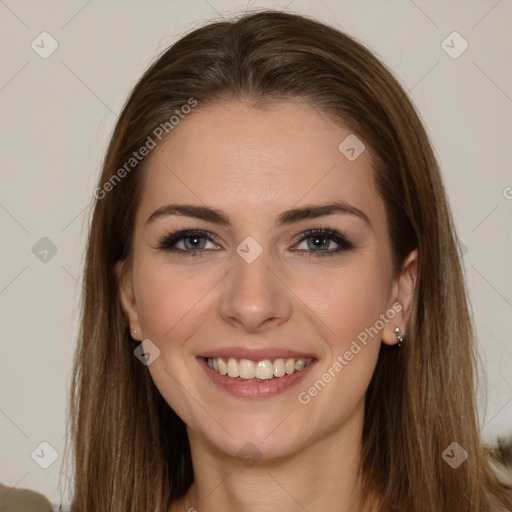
column 168, row 242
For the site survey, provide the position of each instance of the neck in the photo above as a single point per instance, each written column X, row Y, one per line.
column 316, row 478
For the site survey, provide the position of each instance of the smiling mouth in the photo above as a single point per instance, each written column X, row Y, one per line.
column 265, row 369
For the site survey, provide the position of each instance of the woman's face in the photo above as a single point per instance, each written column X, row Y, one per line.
column 254, row 288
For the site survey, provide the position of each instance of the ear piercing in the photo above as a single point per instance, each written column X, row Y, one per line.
column 399, row 336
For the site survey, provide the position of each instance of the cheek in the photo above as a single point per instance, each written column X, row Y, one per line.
column 168, row 299
column 347, row 300
column 171, row 305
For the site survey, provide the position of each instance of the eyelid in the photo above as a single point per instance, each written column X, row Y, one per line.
column 331, row 234
column 169, row 241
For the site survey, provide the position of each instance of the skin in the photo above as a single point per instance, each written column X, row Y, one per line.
column 254, row 164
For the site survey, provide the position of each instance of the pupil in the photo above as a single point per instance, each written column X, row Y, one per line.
column 319, row 242
column 195, row 241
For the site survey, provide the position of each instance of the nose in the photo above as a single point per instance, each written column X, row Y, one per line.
column 255, row 296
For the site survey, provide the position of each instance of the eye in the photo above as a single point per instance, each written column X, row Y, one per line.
column 319, row 242
column 190, row 242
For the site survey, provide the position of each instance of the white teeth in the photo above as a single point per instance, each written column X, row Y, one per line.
column 263, row 370
column 223, row 367
column 232, row 368
column 299, row 364
column 279, row 369
column 289, row 366
column 247, row 369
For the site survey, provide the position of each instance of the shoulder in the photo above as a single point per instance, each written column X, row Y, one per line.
column 23, row 500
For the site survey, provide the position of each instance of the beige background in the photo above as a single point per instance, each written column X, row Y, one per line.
column 57, row 115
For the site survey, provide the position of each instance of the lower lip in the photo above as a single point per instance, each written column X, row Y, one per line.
column 253, row 388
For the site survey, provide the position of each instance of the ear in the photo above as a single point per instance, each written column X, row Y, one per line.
column 401, row 299
column 127, row 298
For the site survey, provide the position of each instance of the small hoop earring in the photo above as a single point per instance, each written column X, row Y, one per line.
column 399, row 337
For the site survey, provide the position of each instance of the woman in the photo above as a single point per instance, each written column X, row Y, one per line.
column 274, row 313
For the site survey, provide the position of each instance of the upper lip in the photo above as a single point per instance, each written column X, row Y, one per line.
column 256, row 354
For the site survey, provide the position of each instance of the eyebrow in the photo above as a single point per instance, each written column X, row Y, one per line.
column 286, row 218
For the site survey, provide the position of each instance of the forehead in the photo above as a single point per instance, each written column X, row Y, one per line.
column 255, row 161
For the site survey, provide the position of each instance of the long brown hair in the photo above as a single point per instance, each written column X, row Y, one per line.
column 131, row 450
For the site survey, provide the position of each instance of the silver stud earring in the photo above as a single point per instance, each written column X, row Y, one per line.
column 399, row 337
